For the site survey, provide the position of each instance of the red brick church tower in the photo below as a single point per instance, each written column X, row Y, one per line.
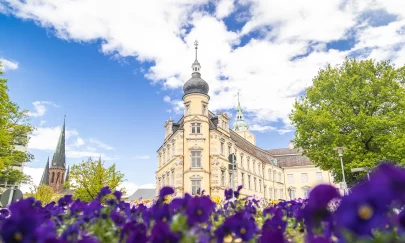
column 54, row 175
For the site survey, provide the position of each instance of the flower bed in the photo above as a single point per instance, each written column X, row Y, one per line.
column 372, row 212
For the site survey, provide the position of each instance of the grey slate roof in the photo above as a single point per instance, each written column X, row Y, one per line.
column 144, row 194
column 287, row 157
column 45, row 175
column 59, row 158
column 259, row 153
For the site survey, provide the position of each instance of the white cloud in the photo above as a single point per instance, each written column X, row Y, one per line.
column 130, row 187
column 100, row 144
column 46, row 138
column 79, row 142
column 142, row 157
column 265, row 69
column 36, row 175
column 42, row 122
column 7, row 64
column 40, row 108
column 260, row 128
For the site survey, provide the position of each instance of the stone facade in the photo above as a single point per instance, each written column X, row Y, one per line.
column 194, row 155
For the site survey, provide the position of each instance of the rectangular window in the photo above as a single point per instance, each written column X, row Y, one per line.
column 281, row 193
column 249, row 182
column 305, row 192
column 204, row 108
column 196, row 159
column 243, row 179
column 241, row 161
column 319, row 177
column 304, row 177
column 260, row 185
column 279, row 177
column 172, row 178
column 275, row 194
column 290, row 178
column 222, row 149
column 271, row 193
column 168, row 152
column 255, row 184
column 195, row 187
column 196, row 128
column 269, row 174
column 222, row 178
column 187, row 110
column 292, row 193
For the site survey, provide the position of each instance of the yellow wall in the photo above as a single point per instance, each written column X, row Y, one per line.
column 214, row 160
column 299, row 183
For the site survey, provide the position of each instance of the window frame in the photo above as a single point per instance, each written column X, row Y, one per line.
column 195, row 128
column 192, row 158
column 198, row 186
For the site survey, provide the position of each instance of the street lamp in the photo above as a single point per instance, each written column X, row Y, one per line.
column 362, row 169
column 340, row 152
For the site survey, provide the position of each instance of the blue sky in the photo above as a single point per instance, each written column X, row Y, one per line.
column 116, row 71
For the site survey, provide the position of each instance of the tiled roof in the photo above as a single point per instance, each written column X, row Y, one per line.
column 144, row 194
column 287, row 157
column 250, row 148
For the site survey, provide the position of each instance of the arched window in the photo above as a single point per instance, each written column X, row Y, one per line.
column 53, row 177
column 58, row 178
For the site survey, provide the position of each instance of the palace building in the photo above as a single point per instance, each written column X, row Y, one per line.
column 194, row 154
column 55, row 174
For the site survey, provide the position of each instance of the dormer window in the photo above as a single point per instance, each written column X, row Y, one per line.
column 196, row 128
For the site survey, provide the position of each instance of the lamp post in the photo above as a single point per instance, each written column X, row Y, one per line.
column 340, row 152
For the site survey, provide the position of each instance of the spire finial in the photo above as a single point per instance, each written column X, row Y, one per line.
column 196, row 65
column 196, row 47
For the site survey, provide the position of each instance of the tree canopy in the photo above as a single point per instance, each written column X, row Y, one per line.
column 87, row 178
column 359, row 105
column 43, row 193
column 14, row 132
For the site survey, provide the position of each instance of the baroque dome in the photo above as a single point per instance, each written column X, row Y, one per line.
column 196, row 85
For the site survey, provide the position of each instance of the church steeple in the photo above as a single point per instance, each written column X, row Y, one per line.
column 45, row 175
column 240, row 124
column 59, row 157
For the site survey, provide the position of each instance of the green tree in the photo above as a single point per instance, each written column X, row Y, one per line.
column 87, row 178
column 42, row 193
column 14, row 131
column 359, row 105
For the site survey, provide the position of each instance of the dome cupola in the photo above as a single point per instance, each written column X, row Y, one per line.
column 196, row 84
